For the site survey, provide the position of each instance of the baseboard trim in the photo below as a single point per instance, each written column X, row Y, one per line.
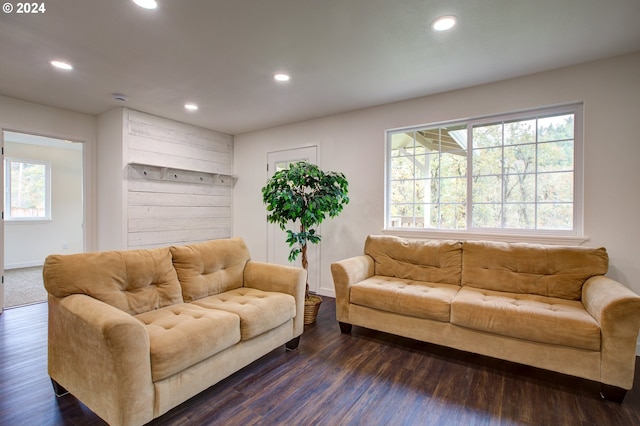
column 22, row 265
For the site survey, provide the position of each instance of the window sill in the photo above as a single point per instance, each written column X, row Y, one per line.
column 573, row 240
column 26, row 221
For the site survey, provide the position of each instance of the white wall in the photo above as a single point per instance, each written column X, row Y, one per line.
column 353, row 143
column 27, row 117
column 110, row 183
column 29, row 243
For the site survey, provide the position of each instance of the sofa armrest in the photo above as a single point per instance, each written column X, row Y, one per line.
column 101, row 354
column 617, row 309
column 345, row 273
column 280, row 278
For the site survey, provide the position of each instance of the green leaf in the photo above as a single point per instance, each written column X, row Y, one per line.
column 303, row 195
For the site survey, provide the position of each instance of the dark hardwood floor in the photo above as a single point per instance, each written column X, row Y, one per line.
column 366, row 378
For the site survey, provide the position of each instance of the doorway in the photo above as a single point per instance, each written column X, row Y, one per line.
column 277, row 248
column 43, row 210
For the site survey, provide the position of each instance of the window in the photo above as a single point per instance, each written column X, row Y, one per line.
column 514, row 173
column 27, row 189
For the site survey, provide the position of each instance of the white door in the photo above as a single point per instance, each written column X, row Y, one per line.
column 277, row 248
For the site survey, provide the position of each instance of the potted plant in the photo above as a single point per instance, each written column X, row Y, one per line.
column 304, row 195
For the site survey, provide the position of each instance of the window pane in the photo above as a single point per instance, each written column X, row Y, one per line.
column 442, row 139
column 487, row 136
column 519, row 216
column 453, row 164
column 487, row 189
column 559, row 127
column 401, row 168
column 402, row 191
column 28, row 186
column 520, row 159
column 423, row 167
column 519, row 188
column 453, row 190
column 555, row 187
column 402, row 144
column 555, row 216
column 520, row 132
column 486, row 215
column 420, row 191
column 401, row 214
column 453, row 216
column 487, row 161
column 555, row 156
column 433, row 186
column 419, row 217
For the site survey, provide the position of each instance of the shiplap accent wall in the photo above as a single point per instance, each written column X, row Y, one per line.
column 179, row 182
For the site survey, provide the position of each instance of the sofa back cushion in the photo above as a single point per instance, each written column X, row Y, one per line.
column 436, row 261
column 209, row 268
column 133, row 281
column 553, row 271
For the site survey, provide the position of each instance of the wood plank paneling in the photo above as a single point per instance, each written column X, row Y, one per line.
column 183, row 236
column 162, row 129
column 179, row 183
column 170, row 212
column 168, row 160
column 176, row 199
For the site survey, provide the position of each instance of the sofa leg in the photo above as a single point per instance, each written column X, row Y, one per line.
column 58, row 390
column 612, row 393
column 344, row 327
column 292, row 344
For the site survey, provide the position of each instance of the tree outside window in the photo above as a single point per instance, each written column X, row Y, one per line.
column 27, row 189
column 517, row 172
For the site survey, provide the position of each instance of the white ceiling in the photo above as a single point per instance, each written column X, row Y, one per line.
column 342, row 54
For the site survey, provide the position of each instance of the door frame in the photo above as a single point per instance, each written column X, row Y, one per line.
column 88, row 199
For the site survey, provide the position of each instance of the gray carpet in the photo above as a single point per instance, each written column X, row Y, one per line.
column 23, row 286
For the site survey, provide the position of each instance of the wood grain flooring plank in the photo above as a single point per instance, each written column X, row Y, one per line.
column 364, row 378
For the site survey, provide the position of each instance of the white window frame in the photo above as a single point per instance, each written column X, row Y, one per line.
column 575, row 236
column 7, row 194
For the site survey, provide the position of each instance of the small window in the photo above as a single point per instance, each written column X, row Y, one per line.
column 513, row 173
column 27, row 189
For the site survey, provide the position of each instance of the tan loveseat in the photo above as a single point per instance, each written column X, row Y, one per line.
column 546, row 306
column 133, row 334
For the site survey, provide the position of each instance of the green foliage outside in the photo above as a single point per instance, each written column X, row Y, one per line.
column 27, row 189
column 303, row 195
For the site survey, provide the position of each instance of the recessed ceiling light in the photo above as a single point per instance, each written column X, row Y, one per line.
column 443, row 23
column 281, row 77
column 146, row 4
column 191, row 107
column 62, row 65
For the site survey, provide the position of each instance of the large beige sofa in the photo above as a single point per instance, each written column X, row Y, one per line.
column 133, row 334
column 546, row 306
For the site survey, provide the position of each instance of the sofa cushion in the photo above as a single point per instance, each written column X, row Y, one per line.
column 553, row 271
column 435, row 261
column 419, row 299
column 259, row 311
column 182, row 335
column 133, row 281
column 537, row 318
column 209, row 268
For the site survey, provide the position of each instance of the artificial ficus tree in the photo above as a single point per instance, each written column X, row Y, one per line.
column 303, row 196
